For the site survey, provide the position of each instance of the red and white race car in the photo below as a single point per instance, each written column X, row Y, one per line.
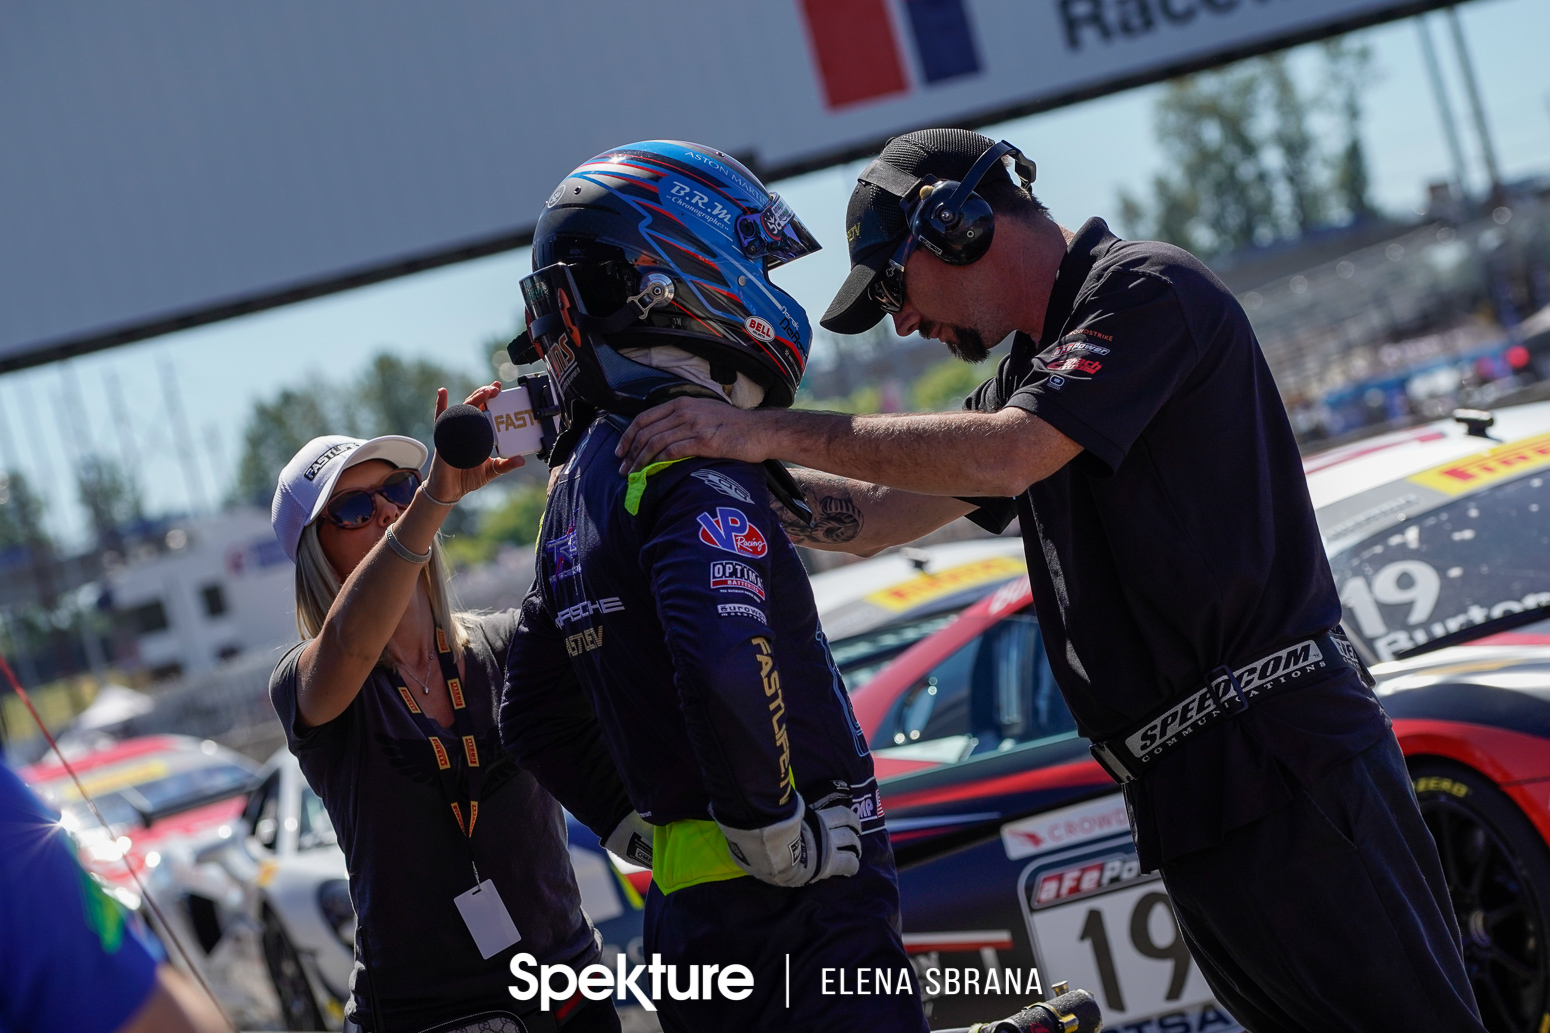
column 1011, row 839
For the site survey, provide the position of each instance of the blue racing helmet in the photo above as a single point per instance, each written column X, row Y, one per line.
column 662, row 243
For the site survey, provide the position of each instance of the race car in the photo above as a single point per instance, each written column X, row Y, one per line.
column 874, row 610
column 1014, row 847
column 165, row 799
column 290, row 872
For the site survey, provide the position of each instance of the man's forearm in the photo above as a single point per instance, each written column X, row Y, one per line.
column 943, row 454
column 861, row 518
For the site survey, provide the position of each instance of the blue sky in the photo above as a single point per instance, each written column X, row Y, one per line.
column 1086, row 154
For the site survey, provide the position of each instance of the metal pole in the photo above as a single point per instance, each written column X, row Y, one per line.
column 1472, row 87
column 129, row 451
column 1450, row 129
column 180, row 434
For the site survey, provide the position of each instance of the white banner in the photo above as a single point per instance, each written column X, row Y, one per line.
column 165, row 163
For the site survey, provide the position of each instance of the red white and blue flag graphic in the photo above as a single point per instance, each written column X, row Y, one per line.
column 858, row 52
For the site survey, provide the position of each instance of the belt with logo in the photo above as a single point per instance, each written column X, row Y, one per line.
column 1227, row 692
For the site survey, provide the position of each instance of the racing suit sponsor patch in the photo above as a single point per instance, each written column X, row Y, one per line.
column 771, row 679
column 587, row 607
column 741, row 610
column 563, row 558
column 731, row 531
column 732, row 576
column 724, row 484
column 584, row 641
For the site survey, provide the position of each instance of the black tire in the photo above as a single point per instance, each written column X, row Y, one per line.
column 1498, row 872
column 298, row 1007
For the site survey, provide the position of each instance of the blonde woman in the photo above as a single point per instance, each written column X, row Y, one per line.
column 455, row 853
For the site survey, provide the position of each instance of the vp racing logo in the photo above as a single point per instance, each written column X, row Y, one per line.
column 730, row 531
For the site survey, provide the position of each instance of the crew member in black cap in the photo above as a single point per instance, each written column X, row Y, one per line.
column 1186, row 602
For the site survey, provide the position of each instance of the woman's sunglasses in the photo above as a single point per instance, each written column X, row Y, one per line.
column 355, row 508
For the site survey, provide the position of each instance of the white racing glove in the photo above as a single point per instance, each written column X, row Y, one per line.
column 812, row 844
column 631, row 840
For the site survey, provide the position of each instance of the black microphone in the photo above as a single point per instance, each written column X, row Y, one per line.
column 464, row 436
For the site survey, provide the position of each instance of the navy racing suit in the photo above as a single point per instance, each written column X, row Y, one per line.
column 669, row 608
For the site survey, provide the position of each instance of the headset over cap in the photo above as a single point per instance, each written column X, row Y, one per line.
column 919, row 190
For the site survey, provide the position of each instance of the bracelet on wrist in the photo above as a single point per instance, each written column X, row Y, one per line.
column 402, row 550
column 425, row 489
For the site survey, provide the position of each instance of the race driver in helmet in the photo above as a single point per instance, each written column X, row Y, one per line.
column 670, row 609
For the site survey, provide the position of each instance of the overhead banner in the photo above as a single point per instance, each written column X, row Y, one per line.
column 166, row 163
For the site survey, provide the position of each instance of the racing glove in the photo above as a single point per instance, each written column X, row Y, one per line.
column 814, row 843
column 631, row 840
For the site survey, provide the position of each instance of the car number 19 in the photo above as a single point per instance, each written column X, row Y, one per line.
column 1098, row 923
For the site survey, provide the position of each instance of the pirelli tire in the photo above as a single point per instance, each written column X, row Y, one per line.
column 1498, row 872
column 298, row 1007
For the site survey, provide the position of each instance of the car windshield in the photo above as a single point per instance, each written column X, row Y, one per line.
column 130, row 804
column 860, row 657
column 1466, row 569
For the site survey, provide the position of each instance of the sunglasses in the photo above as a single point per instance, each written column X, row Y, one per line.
column 888, row 289
column 355, row 508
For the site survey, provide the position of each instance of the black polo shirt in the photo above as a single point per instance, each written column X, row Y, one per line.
column 1180, row 539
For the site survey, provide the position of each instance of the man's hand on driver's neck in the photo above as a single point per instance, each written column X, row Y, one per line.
column 701, row 427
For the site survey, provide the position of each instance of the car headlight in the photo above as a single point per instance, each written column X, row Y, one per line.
column 334, row 902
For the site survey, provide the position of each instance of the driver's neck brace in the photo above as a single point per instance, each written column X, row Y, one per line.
column 745, row 394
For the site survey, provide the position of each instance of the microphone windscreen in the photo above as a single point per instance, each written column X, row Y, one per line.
column 464, row 436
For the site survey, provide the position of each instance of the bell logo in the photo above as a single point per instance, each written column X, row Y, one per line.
column 857, row 51
column 758, row 329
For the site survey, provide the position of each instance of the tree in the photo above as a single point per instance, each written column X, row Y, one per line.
column 391, row 396
column 1247, row 165
column 276, row 430
column 1350, row 73
column 944, row 386
column 398, row 397
column 512, row 521
column 21, row 514
column 111, row 497
column 1299, row 154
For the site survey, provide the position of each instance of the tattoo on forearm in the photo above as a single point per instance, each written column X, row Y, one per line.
column 836, row 520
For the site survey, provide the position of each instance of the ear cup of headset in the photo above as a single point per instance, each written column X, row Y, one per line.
column 961, row 237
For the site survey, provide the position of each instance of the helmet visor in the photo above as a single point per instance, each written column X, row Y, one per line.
column 775, row 234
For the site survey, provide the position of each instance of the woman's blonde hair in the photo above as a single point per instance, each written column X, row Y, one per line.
column 317, row 584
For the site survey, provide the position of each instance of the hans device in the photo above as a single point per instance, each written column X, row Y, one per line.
column 520, row 421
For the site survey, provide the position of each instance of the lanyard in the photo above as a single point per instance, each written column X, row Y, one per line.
column 459, row 783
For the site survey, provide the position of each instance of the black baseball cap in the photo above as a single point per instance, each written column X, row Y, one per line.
column 875, row 222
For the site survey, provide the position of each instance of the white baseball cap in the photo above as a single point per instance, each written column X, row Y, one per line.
column 308, row 479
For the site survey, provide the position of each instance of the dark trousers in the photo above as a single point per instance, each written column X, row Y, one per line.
column 580, row 1016
column 1331, row 913
column 840, row 923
